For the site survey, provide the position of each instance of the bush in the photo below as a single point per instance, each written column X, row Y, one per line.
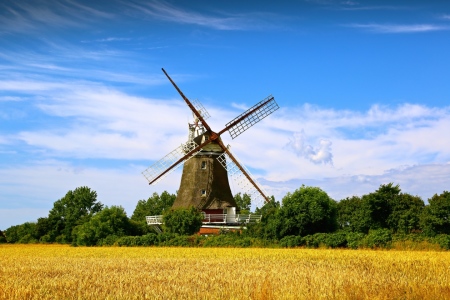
column 127, row 241
column 177, row 241
column 443, row 240
column 149, row 239
column 336, row 240
column 354, row 239
column 2, row 238
column 291, row 241
column 45, row 239
column 28, row 239
column 182, row 221
column 378, row 238
column 108, row 241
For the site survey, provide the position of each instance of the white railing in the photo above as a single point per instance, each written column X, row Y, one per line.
column 152, row 220
column 214, row 219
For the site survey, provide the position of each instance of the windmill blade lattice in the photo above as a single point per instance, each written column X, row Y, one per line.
column 254, row 117
column 161, row 165
column 198, row 106
column 238, row 177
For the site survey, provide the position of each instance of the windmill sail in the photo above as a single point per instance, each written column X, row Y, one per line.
column 164, row 163
column 252, row 116
column 253, row 189
column 199, row 107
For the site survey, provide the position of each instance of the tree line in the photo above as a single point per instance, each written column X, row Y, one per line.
column 306, row 217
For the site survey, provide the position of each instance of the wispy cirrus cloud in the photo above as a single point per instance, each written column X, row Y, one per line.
column 26, row 16
column 399, row 28
column 220, row 20
column 352, row 5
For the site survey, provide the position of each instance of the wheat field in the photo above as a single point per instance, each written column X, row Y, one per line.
column 64, row 272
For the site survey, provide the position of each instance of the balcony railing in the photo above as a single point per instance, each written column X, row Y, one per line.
column 214, row 219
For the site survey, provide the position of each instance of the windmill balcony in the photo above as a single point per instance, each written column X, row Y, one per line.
column 209, row 219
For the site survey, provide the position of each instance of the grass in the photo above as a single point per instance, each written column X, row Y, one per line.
column 64, row 272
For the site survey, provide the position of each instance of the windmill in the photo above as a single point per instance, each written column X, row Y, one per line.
column 207, row 162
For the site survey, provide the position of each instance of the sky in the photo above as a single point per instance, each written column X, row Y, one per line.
column 362, row 88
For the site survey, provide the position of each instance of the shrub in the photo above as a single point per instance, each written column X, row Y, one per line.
column 149, row 239
column 336, row 240
column 127, row 241
column 108, row 241
column 291, row 241
column 354, row 239
column 443, row 240
column 378, row 238
column 182, row 221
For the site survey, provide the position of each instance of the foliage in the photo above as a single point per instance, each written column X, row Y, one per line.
column 24, row 233
column 353, row 215
column 111, row 221
column 74, row 209
column 354, row 239
column 292, row 241
column 2, row 237
column 436, row 216
column 153, row 206
column 443, row 240
column 386, row 208
column 306, row 211
column 269, row 226
column 243, row 202
column 377, row 238
column 405, row 213
column 183, row 221
column 379, row 204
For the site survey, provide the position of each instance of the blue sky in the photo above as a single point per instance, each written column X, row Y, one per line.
column 362, row 85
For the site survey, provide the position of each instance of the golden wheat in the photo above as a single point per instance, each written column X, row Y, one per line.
column 63, row 272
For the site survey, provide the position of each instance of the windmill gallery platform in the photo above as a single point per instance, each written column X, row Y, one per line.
column 207, row 163
column 212, row 223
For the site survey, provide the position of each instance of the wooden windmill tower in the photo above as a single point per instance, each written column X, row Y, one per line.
column 208, row 162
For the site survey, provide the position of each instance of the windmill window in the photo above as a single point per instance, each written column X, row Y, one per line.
column 203, row 164
column 203, row 193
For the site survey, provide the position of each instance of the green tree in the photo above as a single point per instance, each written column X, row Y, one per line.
column 353, row 215
column 243, row 202
column 393, row 210
column 306, row 211
column 269, row 226
column 111, row 221
column 436, row 215
column 23, row 233
column 153, row 206
column 405, row 213
column 184, row 221
column 380, row 204
column 2, row 237
column 74, row 209
column 43, row 227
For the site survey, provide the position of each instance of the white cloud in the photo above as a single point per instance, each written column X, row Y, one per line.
column 399, row 28
column 321, row 154
column 37, row 186
column 223, row 21
column 28, row 16
column 421, row 180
